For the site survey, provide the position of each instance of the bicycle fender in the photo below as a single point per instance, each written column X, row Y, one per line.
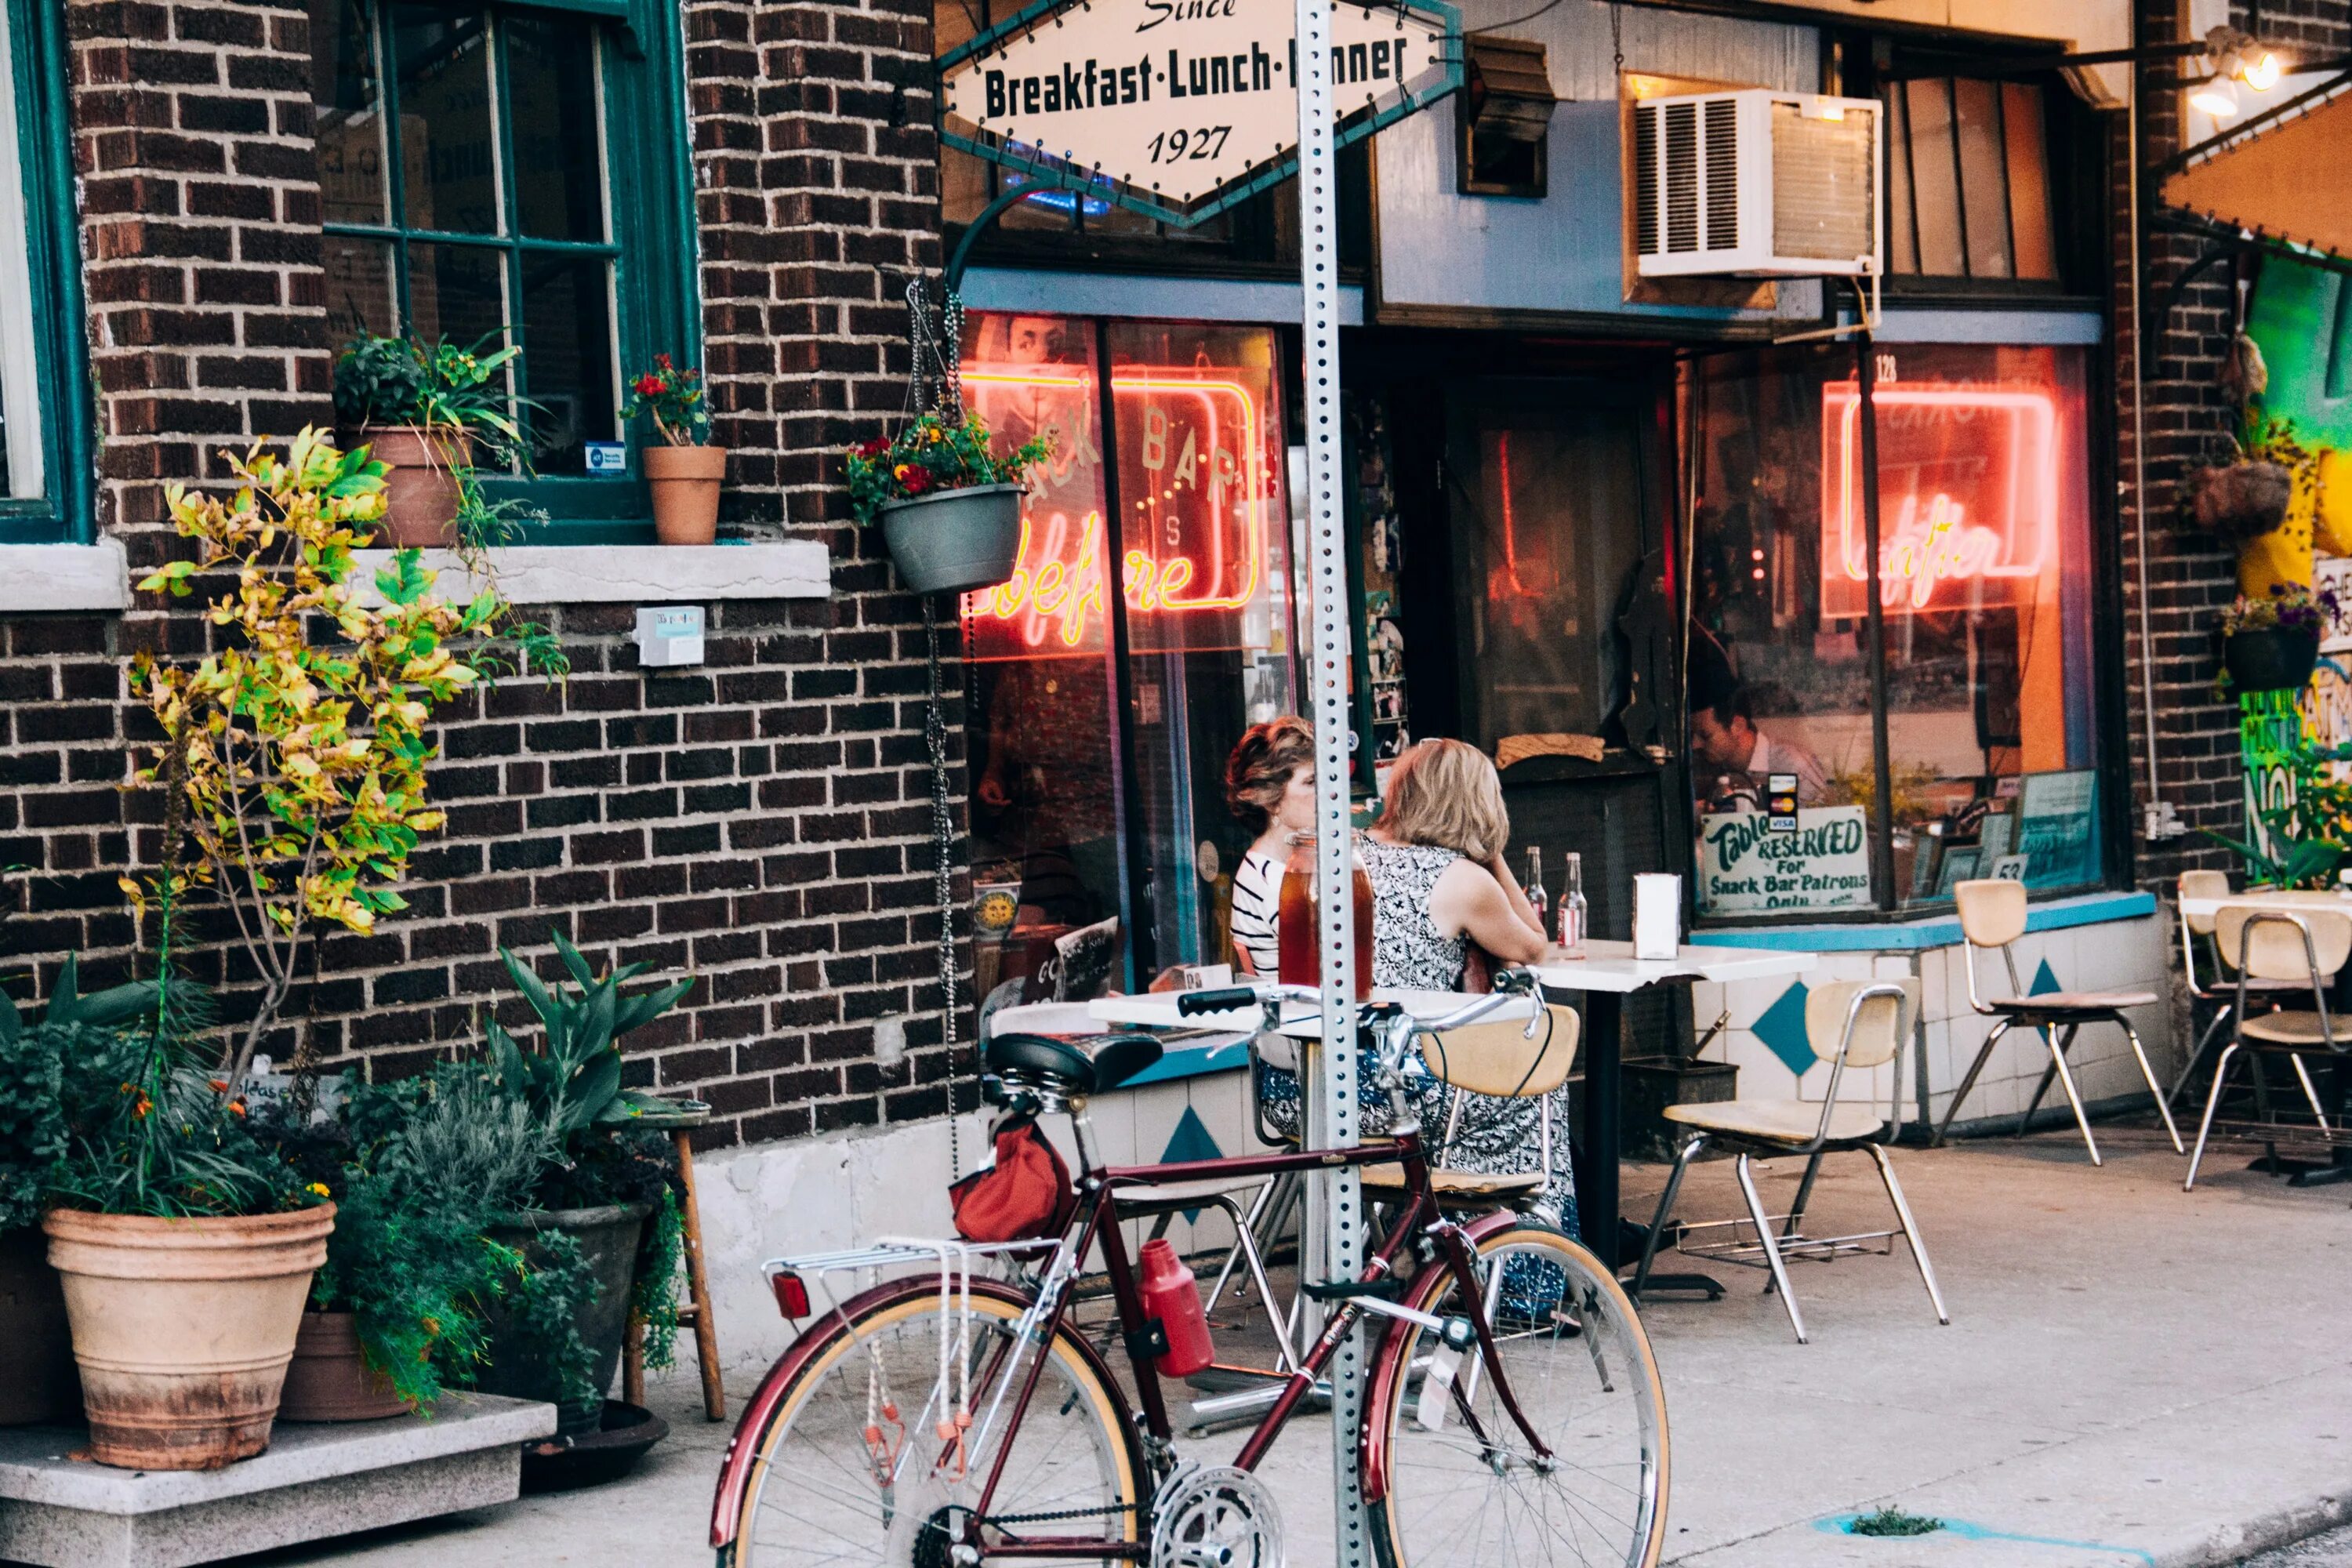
column 1371, row 1437
column 742, row 1449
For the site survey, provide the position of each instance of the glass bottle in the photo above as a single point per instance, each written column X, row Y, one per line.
column 1536, row 898
column 1571, row 904
column 1299, row 925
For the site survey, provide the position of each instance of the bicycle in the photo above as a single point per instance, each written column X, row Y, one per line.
column 1513, row 1409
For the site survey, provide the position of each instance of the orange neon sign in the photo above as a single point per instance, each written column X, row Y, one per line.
column 1969, row 494
column 1056, row 590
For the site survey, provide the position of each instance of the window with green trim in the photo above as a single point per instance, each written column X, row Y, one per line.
column 514, row 174
column 44, row 490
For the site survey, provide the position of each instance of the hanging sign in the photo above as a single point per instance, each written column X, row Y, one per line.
column 1179, row 109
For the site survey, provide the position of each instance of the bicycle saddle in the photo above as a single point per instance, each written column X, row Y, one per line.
column 1083, row 1064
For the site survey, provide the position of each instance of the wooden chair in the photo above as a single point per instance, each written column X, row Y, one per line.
column 1993, row 915
column 2305, row 948
column 1500, row 1062
column 1861, row 1023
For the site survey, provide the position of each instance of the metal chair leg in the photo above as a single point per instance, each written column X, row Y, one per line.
column 2212, row 1104
column 1983, row 1055
column 1241, row 1222
column 1665, row 1212
column 2310, row 1094
column 2025, row 1122
column 2148, row 1074
column 1771, row 1249
column 2066, row 1081
column 1910, row 1230
column 1246, row 1245
column 1805, row 1196
column 2188, row 1068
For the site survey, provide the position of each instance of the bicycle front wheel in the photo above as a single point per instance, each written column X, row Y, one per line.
column 839, row 1479
column 1456, row 1484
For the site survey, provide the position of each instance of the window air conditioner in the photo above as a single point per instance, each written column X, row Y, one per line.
column 1758, row 184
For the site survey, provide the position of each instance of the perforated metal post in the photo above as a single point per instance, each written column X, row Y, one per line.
column 1338, row 1207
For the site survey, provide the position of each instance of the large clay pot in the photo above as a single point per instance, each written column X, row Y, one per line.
column 955, row 540
column 685, row 485
column 420, row 491
column 330, row 1380
column 183, row 1328
column 608, row 1239
column 2273, row 658
column 37, row 1370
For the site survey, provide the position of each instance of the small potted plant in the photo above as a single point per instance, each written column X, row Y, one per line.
column 2271, row 643
column 683, row 470
column 428, row 412
column 949, row 509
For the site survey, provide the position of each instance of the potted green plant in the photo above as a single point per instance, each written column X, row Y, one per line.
column 949, row 509
column 428, row 413
column 683, row 470
column 185, row 1245
column 36, row 1367
column 587, row 1212
column 419, row 1170
column 2272, row 644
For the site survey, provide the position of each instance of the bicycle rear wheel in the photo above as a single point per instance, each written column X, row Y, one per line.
column 819, row 1493
column 1455, row 1484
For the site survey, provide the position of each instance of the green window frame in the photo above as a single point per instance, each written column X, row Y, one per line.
column 45, row 404
column 646, row 231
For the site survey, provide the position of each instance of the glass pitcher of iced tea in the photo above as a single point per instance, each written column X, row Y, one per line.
column 1299, row 924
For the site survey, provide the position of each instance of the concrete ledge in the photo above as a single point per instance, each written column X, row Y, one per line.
column 316, row 1482
column 64, row 576
column 639, row 573
column 1936, row 930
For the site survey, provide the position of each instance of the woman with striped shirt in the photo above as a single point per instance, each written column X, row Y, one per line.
column 1270, row 785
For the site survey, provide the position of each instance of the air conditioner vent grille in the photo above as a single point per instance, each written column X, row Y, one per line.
column 1682, row 176
column 1646, row 179
column 1722, row 175
column 1822, row 185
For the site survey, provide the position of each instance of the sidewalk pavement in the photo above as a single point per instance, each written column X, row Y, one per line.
column 2133, row 1375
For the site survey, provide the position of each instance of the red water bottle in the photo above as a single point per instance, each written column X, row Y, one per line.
column 1172, row 1295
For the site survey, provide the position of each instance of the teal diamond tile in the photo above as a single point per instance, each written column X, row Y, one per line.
column 2044, row 982
column 1190, row 1140
column 1781, row 1027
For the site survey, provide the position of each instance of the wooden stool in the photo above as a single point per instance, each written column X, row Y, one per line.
column 680, row 1124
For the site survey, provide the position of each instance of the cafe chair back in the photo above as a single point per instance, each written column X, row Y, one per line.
column 1852, row 1025
column 2207, row 978
column 1992, row 916
column 2301, row 949
column 1497, row 1061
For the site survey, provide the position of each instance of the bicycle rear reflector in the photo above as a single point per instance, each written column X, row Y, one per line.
column 792, row 1293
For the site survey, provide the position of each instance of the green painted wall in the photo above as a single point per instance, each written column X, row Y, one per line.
column 2297, row 319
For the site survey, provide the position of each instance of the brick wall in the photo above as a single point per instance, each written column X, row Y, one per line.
column 761, row 821
column 2191, row 577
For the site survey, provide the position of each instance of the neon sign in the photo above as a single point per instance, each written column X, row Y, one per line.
column 1969, row 493
column 1197, row 540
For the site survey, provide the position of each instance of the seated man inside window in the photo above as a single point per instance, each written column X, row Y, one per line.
column 1732, row 761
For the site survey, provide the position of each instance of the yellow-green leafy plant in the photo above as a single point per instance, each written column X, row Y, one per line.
column 297, row 747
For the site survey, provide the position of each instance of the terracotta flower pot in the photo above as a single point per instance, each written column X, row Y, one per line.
column 330, row 1380
column 37, row 1370
column 685, row 484
column 420, row 491
column 183, row 1328
column 952, row 541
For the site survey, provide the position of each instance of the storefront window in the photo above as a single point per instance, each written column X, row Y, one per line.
column 1097, row 799
column 1984, row 576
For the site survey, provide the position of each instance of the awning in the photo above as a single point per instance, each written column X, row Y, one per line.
column 2290, row 179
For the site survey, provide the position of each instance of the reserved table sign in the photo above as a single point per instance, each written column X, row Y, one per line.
column 1747, row 868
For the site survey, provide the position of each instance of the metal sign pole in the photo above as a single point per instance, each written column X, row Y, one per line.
column 1339, row 1206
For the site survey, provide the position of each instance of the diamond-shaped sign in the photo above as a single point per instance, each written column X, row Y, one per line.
column 1781, row 1027
column 1178, row 108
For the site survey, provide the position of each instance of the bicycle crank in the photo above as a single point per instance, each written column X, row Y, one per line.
column 1215, row 1518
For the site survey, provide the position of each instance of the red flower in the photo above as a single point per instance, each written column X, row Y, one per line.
column 873, row 449
column 915, row 477
column 649, row 386
column 661, row 360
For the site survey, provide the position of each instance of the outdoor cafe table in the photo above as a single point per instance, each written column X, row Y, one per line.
column 2339, row 1074
column 1606, row 972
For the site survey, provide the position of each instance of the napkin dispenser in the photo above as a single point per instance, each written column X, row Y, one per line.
column 1657, row 914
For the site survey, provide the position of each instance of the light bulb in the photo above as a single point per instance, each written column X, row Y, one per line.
column 2263, row 74
column 2217, row 99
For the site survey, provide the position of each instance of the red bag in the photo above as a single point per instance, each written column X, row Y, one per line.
column 1025, row 1194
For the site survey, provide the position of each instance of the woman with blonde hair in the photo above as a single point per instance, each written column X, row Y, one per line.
column 1439, row 883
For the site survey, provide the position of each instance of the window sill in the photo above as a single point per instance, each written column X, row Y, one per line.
column 635, row 573
column 35, row 577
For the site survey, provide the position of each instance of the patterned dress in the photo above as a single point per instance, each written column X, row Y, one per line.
column 1495, row 1136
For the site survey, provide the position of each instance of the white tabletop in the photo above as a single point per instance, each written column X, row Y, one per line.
column 1611, row 966
column 1158, row 1010
column 2291, row 898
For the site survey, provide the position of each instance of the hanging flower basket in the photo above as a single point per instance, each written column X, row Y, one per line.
column 952, row 541
column 2273, row 658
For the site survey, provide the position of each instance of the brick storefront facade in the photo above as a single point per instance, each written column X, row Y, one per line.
column 761, row 820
